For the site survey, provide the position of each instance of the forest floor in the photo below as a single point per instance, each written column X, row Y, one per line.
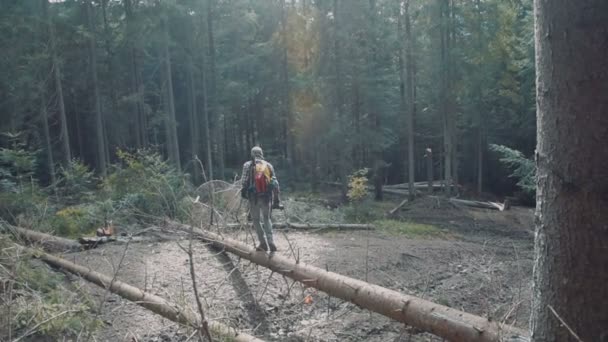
column 475, row 260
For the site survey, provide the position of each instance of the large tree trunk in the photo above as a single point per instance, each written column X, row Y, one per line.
column 147, row 300
column 457, row 326
column 171, row 122
column 571, row 246
column 56, row 66
column 99, row 131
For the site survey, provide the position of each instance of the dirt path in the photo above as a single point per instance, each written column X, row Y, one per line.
column 484, row 268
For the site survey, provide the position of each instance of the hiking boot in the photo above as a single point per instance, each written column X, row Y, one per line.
column 273, row 248
column 262, row 247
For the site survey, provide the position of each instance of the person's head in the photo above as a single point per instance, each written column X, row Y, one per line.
column 256, row 152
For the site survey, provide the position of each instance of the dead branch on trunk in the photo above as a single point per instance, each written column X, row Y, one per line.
column 147, row 300
column 437, row 319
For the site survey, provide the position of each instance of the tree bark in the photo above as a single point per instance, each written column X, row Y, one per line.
column 437, row 319
column 99, row 131
column 171, row 122
column 571, row 244
column 65, row 136
column 147, row 300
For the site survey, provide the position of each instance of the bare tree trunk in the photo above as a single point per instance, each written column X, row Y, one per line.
column 437, row 319
column 411, row 98
column 478, row 105
column 171, row 122
column 194, row 123
column 137, row 87
column 443, row 96
column 213, row 113
column 570, row 274
column 47, row 135
column 65, row 136
column 342, row 168
column 429, row 168
column 99, row 131
column 288, row 116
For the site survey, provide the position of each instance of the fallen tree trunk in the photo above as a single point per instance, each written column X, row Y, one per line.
column 149, row 301
column 437, row 319
column 47, row 242
column 305, row 226
column 482, row 205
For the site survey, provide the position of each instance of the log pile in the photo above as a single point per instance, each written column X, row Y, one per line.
column 451, row 324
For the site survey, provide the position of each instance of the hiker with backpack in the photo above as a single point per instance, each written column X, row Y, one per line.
column 260, row 187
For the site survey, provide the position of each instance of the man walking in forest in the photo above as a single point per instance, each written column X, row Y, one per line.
column 260, row 186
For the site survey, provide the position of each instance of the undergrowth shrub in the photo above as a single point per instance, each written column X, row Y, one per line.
column 76, row 183
column 144, row 184
column 41, row 302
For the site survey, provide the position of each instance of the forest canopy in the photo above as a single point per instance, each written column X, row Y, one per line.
column 325, row 87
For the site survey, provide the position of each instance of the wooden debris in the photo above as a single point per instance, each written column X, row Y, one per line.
column 451, row 324
column 395, row 209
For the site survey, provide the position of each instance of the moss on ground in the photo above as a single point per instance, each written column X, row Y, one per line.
column 410, row 229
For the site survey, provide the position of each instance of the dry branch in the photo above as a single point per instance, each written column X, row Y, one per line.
column 437, row 319
column 304, row 226
column 147, row 300
column 395, row 209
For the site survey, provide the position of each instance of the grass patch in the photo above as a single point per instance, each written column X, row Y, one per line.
column 410, row 229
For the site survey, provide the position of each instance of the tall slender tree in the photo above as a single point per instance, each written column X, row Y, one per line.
column 56, row 68
column 170, row 119
column 99, row 130
column 411, row 97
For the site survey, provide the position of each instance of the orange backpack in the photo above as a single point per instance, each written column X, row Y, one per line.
column 261, row 177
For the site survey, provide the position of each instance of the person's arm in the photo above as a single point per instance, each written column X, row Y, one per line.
column 245, row 176
column 274, row 180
